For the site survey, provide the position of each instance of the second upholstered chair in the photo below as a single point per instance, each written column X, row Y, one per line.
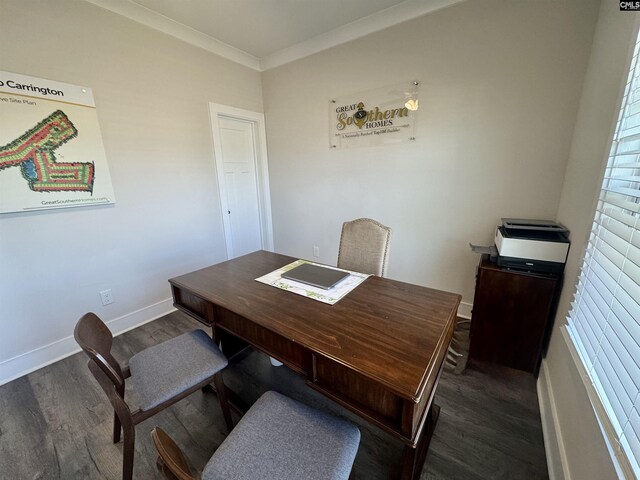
column 364, row 246
column 277, row 439
column 160, row 375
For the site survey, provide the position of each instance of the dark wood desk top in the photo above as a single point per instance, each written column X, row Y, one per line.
column 386, row 330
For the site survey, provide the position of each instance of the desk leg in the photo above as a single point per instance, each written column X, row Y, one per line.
column 413, row 458
column 232, row 347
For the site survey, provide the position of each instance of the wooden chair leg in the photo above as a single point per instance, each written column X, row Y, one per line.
column 127, row 453
column 207, row 389
column 221, row 391
column 117, row 424
column 117, row 428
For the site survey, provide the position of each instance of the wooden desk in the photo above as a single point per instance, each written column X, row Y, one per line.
column 378, row 352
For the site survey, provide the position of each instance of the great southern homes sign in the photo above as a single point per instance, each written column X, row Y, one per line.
column 378, row 117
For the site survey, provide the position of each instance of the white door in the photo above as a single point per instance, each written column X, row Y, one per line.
column 238, row 162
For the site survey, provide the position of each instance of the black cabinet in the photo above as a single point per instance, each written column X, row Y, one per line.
column 512, row 315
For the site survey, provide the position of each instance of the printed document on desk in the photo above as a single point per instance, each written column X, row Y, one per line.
column 330, row 296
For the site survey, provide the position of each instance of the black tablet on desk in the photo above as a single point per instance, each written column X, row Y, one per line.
column 315, row 275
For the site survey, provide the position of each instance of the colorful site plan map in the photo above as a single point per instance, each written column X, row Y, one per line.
column 51, row 151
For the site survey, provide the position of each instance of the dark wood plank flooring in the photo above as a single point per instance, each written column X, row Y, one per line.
column 56, row 422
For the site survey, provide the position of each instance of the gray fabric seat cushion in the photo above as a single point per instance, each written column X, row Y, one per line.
column 163, row 371
column 281, row 439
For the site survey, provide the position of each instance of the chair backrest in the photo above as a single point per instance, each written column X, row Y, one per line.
column 172, row 457
column 95, row 338
column 364, row 246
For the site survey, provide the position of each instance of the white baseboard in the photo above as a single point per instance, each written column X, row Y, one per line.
column 28, row 362
column 553, row 443
column 464, row 310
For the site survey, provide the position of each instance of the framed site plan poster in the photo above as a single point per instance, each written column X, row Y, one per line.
column 51, row 150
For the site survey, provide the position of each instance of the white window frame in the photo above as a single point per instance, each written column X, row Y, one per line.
column 613, row 424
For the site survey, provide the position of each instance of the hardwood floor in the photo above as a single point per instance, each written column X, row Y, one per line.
column 56, row 423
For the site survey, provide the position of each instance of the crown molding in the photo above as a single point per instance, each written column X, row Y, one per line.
column 375, row 22
column 386, row 18
column 154, row 20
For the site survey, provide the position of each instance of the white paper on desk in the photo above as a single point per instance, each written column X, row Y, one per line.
column 330, row 296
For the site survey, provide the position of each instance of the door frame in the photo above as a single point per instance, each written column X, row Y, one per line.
column 256, row 119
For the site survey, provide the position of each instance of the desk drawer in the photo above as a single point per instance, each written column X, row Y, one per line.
column 193, row 305
column 280, row 348
column 365, row 396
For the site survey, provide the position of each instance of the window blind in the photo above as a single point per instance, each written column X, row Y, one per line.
column 604, row 320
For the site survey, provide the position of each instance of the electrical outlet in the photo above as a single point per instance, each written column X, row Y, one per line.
column 106, row 296
column 316, row 251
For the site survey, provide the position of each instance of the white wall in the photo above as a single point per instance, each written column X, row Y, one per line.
column 583, row 452
column 500, row 87
column 152, row 93
column 500, row 84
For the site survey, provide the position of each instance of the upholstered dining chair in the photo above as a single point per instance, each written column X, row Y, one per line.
column 277, row 439
column 364, row 246
column 160, row 375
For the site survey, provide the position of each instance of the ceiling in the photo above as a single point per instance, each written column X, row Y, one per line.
column 264, row 34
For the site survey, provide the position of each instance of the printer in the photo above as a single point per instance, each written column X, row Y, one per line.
column 532, row 245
